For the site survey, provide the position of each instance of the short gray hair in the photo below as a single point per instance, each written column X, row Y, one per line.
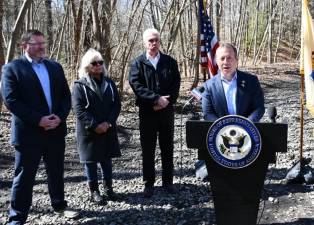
column 230, row 46
column 149, row 31
column 90, row 56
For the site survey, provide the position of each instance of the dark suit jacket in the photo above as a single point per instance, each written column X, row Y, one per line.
column 149, row 83
column 24, row 97
column 249, row 98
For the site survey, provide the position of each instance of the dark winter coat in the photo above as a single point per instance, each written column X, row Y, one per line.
column 91, row 110
column 149, row 83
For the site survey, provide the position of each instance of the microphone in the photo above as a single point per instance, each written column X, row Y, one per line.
column 272, row 113
column 197, row 92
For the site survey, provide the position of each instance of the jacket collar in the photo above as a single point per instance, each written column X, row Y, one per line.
column 86, row 81
column 144, row 59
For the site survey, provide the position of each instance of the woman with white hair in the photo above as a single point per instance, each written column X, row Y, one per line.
column 97, row 105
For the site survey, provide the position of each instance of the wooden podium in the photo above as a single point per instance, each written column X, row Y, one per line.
column 237, row 192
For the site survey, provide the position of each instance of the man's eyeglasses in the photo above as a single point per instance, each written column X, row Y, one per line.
column 37, row 43
column 153, row 40
column 95, row 63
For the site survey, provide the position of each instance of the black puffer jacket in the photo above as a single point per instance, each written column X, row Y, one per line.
column 90, row 111
column 149, row 83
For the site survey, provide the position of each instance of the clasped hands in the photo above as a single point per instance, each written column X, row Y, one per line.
column 49, row 122
column 161, row 103
column 102, row 128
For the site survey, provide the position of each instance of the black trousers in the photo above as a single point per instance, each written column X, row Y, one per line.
column 155, row 124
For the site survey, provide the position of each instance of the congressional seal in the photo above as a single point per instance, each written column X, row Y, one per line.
column 234, row 142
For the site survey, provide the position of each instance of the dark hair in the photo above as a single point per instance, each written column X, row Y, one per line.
column 230, row 46
column 29, row 34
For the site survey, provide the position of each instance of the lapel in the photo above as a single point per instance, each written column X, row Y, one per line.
column 31, row 74
column 241, row 85
column 161, row 61
column 219, row 90
column 146, row 61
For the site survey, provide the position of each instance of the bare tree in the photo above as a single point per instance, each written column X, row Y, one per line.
column 49, row 25
column 1, row 47
column 17, row 28
column 114, row 27
column 2, row 60
column 96, row 25
column 78, row 22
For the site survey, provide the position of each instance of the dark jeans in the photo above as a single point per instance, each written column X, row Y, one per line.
column 27, row 160
column 91, row 170
column 153, row 124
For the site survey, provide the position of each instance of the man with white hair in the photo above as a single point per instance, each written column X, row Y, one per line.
column 155, row 80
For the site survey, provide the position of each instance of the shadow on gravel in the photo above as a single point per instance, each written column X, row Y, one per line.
column 6, row 160
column 278, row 190
column 5, row 184
column 126, row 175
column 276, row 174
column 161, row 197
column 159, row 216
column 179, row 172
column 301, row 221
column 74, row 179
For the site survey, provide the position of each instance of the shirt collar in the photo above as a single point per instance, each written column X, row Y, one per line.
column 32, row 60
column 225, row 80
column 148, row 57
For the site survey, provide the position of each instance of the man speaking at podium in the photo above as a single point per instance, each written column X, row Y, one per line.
column 232, row 91
column 236, row 192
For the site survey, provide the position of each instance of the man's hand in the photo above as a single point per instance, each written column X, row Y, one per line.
column 102, row 128
column 161, row 103
column 49, row 122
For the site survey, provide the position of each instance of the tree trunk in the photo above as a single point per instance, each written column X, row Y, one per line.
column 1, row 37
column 49, row 24
column 62, row 30
column 270, row 33
column 1, row 48
column 106, row 27
column 279, row 32
column 78, row 21
column 96, row 25
column 16, row 29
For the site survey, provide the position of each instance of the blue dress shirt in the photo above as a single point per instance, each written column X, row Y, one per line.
column 230, row 89
column 43, row 76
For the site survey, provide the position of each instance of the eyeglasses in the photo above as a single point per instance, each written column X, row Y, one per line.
column 95, row 63
column 37, row 43
column 153, row 40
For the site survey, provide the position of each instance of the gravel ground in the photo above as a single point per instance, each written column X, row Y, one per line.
column 280, row 204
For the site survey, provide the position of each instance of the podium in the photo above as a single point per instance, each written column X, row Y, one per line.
column 237, row 192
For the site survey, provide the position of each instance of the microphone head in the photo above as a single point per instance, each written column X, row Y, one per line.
column 196, row 94
column 201, row 89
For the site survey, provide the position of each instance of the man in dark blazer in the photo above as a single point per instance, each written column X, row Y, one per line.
column 36, row 92
column 155, row 80
column 232, row 91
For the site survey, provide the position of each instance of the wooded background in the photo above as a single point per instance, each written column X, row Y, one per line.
column 263, row 30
